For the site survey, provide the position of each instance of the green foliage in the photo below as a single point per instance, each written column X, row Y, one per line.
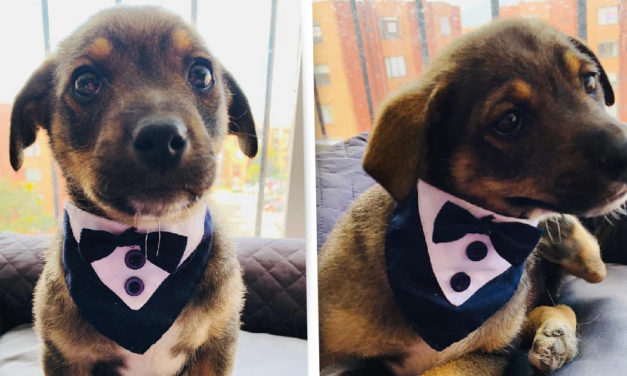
column 21, row 209
column 252, row 175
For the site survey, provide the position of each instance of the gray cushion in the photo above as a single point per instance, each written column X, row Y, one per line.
column 274, row 274
column 601, row 324
column 339, row 180
column 277, row 356
column 20, row 266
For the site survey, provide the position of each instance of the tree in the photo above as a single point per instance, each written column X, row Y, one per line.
column 21, row 209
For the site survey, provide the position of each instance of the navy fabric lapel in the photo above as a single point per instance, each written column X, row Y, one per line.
column 416, row 290
column 134, row 330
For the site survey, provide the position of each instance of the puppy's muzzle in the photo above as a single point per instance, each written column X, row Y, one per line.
column 608, row 152
column 613, row 162
column 159, row 141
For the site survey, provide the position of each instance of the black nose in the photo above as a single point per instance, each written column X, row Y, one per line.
column 613, row 162
column 160, row 141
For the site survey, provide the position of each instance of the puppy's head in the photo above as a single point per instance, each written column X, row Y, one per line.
column 511, row 118
column 136, row 108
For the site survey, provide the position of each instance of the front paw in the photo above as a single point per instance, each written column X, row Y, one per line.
column 553, row 345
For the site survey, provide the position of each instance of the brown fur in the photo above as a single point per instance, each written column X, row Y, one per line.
column 442, row 129
column 142, row 54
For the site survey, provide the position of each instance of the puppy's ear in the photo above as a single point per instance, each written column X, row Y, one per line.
column 398, row 141
column 31, row 109
column 241, row 121
column 608, row 93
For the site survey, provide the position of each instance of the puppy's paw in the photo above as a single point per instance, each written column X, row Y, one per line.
column 568, row 243
column 553, row 345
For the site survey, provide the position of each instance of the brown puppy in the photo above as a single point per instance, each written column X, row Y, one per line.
column 136, row 109
column 511, row 119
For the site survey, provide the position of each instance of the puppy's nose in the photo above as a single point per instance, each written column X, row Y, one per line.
column 612, row 160
column 160, row 141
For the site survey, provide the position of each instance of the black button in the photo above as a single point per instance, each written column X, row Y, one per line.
column 460, row 281
column 476, row 251
column 134, row 259
column 134, row 286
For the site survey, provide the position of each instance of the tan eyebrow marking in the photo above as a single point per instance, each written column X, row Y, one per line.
column 100, row 48
column 573, row 64
column 520, row 90
column 183, row 42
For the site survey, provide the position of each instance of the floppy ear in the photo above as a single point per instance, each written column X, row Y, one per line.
column 241, row 121
column 608, row 93
column 31, row 109
column 397, row 143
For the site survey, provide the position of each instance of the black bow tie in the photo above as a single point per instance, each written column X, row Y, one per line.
column 512, row 240
column 95, row 245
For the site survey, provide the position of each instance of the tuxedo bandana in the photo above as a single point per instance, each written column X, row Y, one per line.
column 131, row 284
column 451, row 265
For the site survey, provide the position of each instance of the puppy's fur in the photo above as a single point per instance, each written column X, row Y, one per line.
column 567, row 156
column 143, row 58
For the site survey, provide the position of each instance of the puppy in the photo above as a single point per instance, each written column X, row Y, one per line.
column 433, row 270
column 141, row 280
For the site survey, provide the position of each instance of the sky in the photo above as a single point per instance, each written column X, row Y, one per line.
column 237, row 32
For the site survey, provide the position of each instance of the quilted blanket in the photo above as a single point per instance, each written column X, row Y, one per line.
column 339, row 180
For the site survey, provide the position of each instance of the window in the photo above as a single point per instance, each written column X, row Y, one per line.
column 445, row 26
column 239, row 186
column 33, row 151
column 390, row 28
column 321, row 73
column 327, row 115
column 317, row 33
column 608, row 49
column 33, row 174
column 367, row 68
column 395, row 66
column 613, row 78
column 607, row 15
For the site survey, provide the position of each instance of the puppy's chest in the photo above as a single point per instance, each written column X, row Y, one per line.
column 496, row 333
column 159, row 360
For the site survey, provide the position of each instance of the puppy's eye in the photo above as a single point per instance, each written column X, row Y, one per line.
column 87, row 84
column 199, row 76
column 589, row 82
column 509, row 124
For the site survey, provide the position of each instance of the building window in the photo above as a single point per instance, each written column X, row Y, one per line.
column 608, row 49
column 33, row 174
column 317, row 33
column 327, row 115
column 395, row 66
column 613, row 78
column 445, row 26
column 321, row 74
column 390, row 28
column 607, row 15
column 33, row 151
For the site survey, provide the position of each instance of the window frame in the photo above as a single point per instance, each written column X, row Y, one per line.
column 602, row 47
column 601, row 18
column 385, row 33
column 317, row 33
column 393, row 66
column 322, row 74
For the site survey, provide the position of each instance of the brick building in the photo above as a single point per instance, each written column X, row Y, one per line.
column 389, row 41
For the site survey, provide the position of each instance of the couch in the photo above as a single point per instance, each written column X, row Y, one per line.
column 273, row 336
column 601, row 308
